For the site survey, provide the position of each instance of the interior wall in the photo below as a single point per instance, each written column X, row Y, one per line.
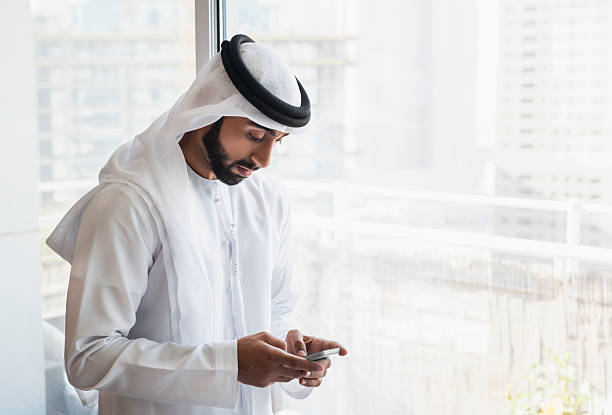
column 21, row 348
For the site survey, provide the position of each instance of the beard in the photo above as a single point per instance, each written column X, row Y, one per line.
column 218, row 158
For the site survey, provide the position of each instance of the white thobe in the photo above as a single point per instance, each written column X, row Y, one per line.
column 118, row 320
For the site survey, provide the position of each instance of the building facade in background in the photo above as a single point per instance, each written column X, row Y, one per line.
column 554, row 101
column 104, row 71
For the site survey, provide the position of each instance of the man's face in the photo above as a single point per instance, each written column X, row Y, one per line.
column 236, row 146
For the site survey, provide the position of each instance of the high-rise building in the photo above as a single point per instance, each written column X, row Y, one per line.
column 554, row 138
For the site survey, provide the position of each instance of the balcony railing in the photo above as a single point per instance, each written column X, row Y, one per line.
column 570, row 251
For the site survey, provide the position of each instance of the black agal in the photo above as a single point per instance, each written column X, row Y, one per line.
column 256, row 93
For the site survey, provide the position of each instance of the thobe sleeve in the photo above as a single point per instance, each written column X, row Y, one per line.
column 116, row 244
column 283, row 297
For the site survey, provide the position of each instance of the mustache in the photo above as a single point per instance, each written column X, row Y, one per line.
column 246, row 164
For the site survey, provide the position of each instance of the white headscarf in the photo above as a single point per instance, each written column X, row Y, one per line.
column 153, row 165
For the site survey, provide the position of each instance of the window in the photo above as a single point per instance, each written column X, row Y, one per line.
column 438, row 130
column 452, row 218
column 105, row 71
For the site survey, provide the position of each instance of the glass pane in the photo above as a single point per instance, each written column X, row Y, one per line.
column 105, row 70
column 451, row 198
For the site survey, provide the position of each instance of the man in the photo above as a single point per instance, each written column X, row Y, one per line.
column 179, row 298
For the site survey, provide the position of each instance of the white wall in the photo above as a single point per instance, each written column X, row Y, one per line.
column 21, row 348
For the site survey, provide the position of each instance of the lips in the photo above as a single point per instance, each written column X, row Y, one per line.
column 243, row 171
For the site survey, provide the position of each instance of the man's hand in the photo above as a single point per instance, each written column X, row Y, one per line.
column 263, row 360
column 302, row 345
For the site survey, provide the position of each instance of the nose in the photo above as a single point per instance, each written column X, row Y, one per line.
column 261, row 157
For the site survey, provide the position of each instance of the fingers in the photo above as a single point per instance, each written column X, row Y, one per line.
column 293, row 362
column 295, row 343
column 326, row 365
column 324, row 344
column 299, row 347
column 330, row 344
column 289, row 347
column 293, row 373
column 320, row 374
column 316, row 375
column 299, row 363
column 325, row 362
column 313, row 383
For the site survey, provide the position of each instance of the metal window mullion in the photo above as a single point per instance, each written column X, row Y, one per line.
column 209, row 29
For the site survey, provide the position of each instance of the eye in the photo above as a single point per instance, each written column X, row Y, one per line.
column 255, row 139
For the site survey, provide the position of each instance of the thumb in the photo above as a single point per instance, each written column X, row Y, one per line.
column 299, row 347
column 275, row 341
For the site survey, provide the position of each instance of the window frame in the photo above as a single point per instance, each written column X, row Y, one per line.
column 210, row 29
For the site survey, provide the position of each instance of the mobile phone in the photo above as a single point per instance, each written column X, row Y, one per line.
column 323, row 354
